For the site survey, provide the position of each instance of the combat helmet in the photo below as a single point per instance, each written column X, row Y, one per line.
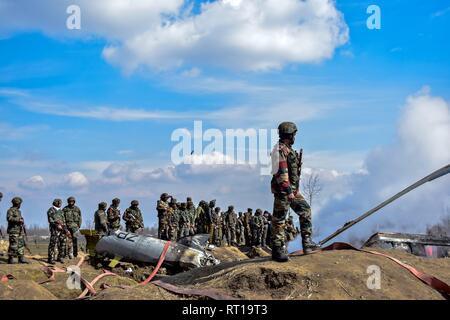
column 287, row 128
column 71, row 199
column 16, row 201
column 116, row 201
column 134, row 203
column 57, row 202
column 102, row 205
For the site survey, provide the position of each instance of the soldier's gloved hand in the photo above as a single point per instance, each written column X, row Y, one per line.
column 21, row 221
column 291, row 197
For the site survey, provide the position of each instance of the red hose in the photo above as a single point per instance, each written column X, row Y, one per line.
column 158, row 266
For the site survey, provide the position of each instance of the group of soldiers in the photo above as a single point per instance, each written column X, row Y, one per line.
column 177, row 220
column 64, row 223
column 181, row 219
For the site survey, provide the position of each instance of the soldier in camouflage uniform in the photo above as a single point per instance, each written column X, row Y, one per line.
column 217, row 227
column 163, row 224
column 240, row 230
column 257, row 225
column 190, row 208
column 290, row 230
column 248, row 231
column 101, row 220
column 267, row 236
column 58, row 230
column 133, row 218
column 184, row 221
column 230, row 218
column 16, row 232
column 200, row 217
column 209, row 220
column 285, row 187
column 72, row 214
column 173, row 218
column 113, row 214
column 264, row 229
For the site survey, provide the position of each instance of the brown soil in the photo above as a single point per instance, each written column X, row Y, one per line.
column 325, row 275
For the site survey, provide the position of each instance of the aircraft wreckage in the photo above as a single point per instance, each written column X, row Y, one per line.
column 190, row 252
column 187, row 253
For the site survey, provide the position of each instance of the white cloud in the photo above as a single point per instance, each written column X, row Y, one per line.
column 422, row 146
column 75, row 180
column 243, row 35
column 246, row 35
column 33, row 183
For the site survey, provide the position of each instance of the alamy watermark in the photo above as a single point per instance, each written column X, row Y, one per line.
column 373, row 22
column 73, row 21
column 374, row 280
column 213, row 146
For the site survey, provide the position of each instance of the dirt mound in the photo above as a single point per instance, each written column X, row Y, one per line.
column 326, row 275
column 24, row 290
column 228, row 254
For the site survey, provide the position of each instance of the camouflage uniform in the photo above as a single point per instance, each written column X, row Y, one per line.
column 200, row 218
column 285, row 187
column 265, row 229
column 231, row 222
column 209, row 220
column 257, row 225
column 240, row 230
column 217, row 227
column 184, row 221
column 15, row 231
column 133, row 218
column 173, row 218
column 290, row 230
column 72, row 214
column 247, row 227
column 163, row 224
column 113, row 214
column 190, row 208
column 101, row 220
column 58, row 229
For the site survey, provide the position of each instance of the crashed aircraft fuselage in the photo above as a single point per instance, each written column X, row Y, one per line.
column 187, row 253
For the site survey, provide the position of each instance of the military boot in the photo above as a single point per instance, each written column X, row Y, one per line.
column 22, row 260
column 279, row 254
column 60, row 260
column 309, row 246
column 11, row 260
column 50, row 261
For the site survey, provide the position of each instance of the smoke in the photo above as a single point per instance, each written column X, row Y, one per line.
column 420, row 147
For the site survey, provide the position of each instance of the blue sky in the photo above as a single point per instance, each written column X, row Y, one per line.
column 347, row 103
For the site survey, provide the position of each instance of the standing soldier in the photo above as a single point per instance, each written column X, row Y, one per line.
column 209, row 219
column 257, row 225
column 240, row 230
column 101, row 219
column 290, row 230
column 72, row 214
column 16, row 232
column 217, row 227
column 248, row 231
column 200, row 217
column 231, row 222
column 285, row 187
column 190, row 209
column 58, row 229
column 163, row 224
column 184, row 221
column 173, row 218
column 265, row 236
column 133, row 218
column 114, row 215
